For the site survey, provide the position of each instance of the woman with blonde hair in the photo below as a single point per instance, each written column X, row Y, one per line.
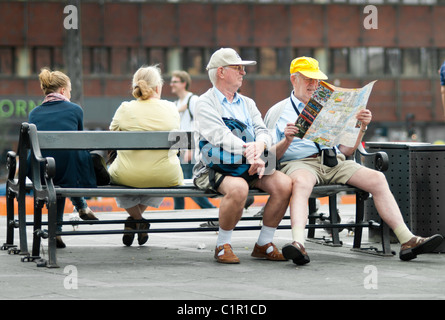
column 144, row 168
column 57, row 113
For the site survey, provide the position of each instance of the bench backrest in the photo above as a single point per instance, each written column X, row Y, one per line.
column 107, row 140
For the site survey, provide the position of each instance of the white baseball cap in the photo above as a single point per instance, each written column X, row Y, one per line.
column 227, row 57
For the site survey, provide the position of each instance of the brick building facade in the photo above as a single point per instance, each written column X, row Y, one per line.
column 403, row 53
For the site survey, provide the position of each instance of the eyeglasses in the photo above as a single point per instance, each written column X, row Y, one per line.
column 308, row 80
column 237, row 68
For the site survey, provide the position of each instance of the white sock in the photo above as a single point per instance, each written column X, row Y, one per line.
column 298, row 235
column 402, row 233
column 224, row 236
column 266, row 236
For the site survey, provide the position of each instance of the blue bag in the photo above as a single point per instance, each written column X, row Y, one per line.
column 225, row 162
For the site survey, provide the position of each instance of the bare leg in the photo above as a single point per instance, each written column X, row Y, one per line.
column 235, row 191
column 135, row 214
column 136, row 211
column 279, row 187
column 303, row 183
column 375, row 183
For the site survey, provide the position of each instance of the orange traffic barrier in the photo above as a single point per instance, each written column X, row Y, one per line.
column 109, row 204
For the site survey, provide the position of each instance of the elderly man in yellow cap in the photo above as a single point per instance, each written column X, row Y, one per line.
column 301, row 160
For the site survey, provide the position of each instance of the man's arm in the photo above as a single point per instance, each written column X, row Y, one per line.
column 289, row 134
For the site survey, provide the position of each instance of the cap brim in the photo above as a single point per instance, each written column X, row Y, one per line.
column 246, row 63
column 238, row 63
column 314, row 75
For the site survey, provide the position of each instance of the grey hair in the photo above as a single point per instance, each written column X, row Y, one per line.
column 212, row 75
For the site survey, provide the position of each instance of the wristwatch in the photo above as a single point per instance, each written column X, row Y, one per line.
column 363, row 130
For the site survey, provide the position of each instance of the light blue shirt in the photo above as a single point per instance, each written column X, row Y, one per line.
column 299, row 148
column 236, row 110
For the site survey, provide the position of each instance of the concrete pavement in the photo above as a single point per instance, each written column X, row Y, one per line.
column 180, row 266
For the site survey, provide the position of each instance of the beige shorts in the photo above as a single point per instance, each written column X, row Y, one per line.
column 203, row 181
column 341, row 173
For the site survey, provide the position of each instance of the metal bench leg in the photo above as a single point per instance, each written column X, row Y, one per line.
column 312, row 217
column 52, row 232
column 38, row 233
column 359, row 216
column 22, row 224
column 386, row 240
column 9, row 224
column 333, row 215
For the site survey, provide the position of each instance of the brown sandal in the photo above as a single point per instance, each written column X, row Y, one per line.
column 261, row 252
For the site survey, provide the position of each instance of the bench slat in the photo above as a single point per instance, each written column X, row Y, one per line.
column 180, row 191
column 106, row 140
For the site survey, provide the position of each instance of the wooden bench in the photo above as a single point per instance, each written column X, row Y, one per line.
column 45, row 192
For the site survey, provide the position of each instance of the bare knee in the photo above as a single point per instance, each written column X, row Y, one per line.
column 370, row 180
column 302, row 184
column 282, row 187
column 378, row 183
column 237, row 192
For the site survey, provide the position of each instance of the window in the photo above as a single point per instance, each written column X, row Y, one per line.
column 393, row 63
column 193, row 60
column 268, row 61
column 157, row 56
column 250, row 54
column 358, row 61
column 300, row 52
column 42, row 57
column 284, row 58
column 7, row 61
column 428, row 57
column 411, row 62
column 376, row 61
column 136, row 57
column 97, row 60
column 339, row 61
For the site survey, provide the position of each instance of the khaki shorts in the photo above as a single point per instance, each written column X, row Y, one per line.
column 341, row 173
column 203, row 181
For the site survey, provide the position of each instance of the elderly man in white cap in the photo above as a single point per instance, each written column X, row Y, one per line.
column 301, row 159
column 223, row 103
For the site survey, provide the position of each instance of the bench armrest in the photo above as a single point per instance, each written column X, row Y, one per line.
column 11, row 164
column 36, row 159
column 381, row 160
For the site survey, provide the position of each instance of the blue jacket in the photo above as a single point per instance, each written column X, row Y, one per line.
column 74, row 168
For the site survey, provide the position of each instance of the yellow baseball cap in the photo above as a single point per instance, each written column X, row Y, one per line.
column 308, row 67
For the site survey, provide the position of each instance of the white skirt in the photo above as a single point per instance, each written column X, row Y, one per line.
column 132, row 201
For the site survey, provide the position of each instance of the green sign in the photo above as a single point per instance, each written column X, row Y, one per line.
column 18, row 108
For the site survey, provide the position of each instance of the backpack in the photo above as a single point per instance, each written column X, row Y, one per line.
column 225, row 162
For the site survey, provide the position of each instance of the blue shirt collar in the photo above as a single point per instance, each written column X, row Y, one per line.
column 296, row 101
column 222, row 98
